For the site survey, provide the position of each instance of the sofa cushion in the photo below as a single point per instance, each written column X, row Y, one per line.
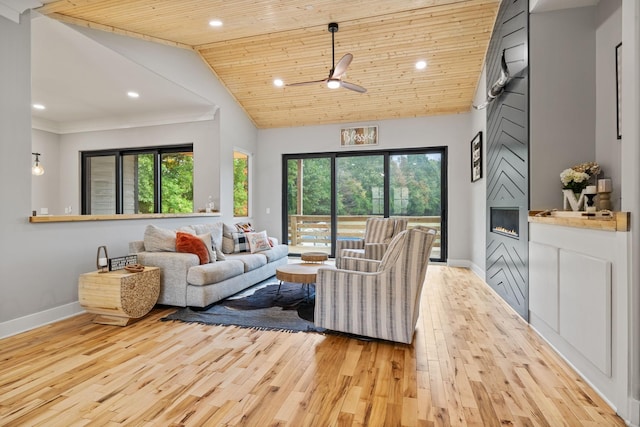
column 158, row 239
column 258, row 241
column 189, row 243
column 276, row 252
column 216, row 236
column 207, row 274
column 250, row 261
column 245, row 227
column 240, row 242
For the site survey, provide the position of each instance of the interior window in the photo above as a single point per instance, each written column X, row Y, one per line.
column 142, row 180
column 240, row 184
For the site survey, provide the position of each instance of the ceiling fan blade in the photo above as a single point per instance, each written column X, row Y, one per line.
column 353, row 87
column 342, row 66
column 313, row 82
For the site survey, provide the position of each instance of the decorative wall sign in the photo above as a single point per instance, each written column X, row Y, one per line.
column 367, row 135
column 476, row 157
column 619, row 89
column 121, row 262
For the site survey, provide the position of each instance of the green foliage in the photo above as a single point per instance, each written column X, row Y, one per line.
column 145, row 183
column 415, row 181
column 177, row 182
column 240, row 187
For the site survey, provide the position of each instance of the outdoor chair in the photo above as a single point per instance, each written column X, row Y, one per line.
column 378, row 232
column 381, row 299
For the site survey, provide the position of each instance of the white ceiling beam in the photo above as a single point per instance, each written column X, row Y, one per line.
column 12, row 9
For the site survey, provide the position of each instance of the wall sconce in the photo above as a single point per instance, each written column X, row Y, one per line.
column 37, row 168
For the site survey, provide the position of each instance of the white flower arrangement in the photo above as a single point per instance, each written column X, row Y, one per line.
column 577, row 177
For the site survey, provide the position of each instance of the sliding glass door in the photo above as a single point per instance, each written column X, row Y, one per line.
column 359, row 193
column 308, row 204
column 416, row 193
column 330, row 196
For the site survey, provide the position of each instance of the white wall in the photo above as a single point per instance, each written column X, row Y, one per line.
column 608, row 147
column 453, row 131
column 562, row 98
column 45, row 189
column 478, row 193
column 41, row 262
column 187, row 69
column 630, row 188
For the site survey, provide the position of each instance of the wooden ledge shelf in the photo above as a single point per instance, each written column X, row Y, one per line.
column 118, row 217
column 618, row 221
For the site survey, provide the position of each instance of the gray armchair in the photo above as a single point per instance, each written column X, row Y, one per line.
column 382, row 299
column 378, row 233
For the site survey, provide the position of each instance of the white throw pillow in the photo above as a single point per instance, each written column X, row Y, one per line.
column 206, row 239
column 258, row 241
column 158, row 239
column 216, row 236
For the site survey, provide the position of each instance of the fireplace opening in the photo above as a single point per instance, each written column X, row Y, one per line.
column 505, row 221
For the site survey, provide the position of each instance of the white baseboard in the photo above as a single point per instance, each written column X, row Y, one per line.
column 463, row 263
column 22, row 324
column 634, row 413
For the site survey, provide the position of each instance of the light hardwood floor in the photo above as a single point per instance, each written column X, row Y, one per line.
column 474, row 362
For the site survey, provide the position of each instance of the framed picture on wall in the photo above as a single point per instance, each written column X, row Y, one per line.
column 619, row 89
column 476, row 157
column 365, row 135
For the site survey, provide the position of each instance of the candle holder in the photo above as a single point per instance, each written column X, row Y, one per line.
column 604, row 194
column 102, row 262
column 590, row 193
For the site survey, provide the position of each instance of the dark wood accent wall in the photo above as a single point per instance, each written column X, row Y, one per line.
column 508, row 155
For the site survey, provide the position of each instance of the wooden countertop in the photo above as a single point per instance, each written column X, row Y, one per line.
column 118, row 217
column 616, row 221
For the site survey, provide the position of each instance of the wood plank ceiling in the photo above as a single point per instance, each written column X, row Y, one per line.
column 262, row 40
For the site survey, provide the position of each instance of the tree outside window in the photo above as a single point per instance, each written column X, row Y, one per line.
column 240, row 184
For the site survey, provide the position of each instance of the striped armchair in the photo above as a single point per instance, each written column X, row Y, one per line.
column 381, row 299
column 378, row 233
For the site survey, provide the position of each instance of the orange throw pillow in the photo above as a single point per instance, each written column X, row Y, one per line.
column 189, row 243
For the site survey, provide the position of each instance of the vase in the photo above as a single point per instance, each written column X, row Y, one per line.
column 573, row 201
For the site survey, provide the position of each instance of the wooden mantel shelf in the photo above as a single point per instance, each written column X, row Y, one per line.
column 76, row 218
column 616, row 221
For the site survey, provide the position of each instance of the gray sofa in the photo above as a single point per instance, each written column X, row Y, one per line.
column 185, row 282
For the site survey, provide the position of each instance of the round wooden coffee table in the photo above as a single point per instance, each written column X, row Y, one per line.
column 314, row 257
column 304, row 273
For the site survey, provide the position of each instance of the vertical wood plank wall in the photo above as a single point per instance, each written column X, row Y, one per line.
column 508, row 154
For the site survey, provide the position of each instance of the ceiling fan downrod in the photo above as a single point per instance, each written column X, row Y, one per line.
column 333, row 29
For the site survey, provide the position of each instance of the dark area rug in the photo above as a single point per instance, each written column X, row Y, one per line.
column 290, row 309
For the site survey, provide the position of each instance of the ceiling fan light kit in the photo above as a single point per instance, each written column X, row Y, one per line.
column 334, row 81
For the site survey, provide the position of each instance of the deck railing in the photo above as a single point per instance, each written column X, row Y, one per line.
column 315, row 230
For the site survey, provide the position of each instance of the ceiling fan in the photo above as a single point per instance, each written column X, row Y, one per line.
column 334, row 80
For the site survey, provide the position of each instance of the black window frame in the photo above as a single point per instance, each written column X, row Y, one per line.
column 119, row 153
column 386, row 153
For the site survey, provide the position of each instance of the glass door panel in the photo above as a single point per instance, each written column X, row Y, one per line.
column 102, row 185
column 309, row 205
column 416, row 191
column 177, row 182
column 360, row 193
column 138, row 183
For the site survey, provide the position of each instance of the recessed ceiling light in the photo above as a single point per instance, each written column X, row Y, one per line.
column 421, row 65
column 215, row 23
column 133, row 94
column 39, row 106
column 278, row 83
